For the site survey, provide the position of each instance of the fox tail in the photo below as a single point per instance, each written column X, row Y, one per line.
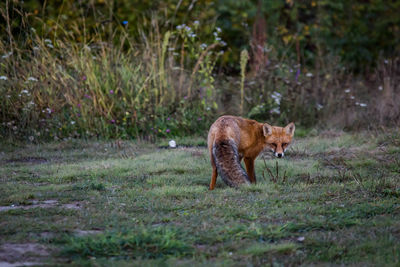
column 227, row 161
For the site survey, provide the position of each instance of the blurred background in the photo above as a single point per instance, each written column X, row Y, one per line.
column 148, row 69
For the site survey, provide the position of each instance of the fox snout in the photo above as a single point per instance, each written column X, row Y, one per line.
column 279, row 155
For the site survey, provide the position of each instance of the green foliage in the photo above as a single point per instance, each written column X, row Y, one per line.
column 143, row 243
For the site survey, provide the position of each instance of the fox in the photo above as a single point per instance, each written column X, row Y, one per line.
column 231, row 139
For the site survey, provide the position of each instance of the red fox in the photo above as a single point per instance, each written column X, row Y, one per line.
column 232, row 139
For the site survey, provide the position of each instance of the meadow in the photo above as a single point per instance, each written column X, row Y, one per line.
column 334, row 200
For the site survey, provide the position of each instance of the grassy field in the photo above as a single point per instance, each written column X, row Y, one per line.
column 335, row 200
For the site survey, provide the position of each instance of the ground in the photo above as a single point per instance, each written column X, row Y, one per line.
column 334, row 200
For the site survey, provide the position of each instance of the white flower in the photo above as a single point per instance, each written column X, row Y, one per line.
column 352, row 97
column 33, row 79
column 276, row 110
column 171, row 49
column 218, row 39
column 72, row 122
column 386, row 61
column 3, row 78
column 218, row 29
column 179, row 27
column 172, row 144
column 319, row 106
column 363, row 105
column 50, row 45
column 380, row 88
column 309, row 74
column 47, row 41
column 203, row 46
column 188, row 29
column 357, row 103
column 48, row 110
column 6, row 55
column 347, row 91
column 31, row 103
column 192, row 35
column 221, row 52
column 223, row 43
column 196, row 22
column 215, row 34
column 24, row 92
column 276, row 97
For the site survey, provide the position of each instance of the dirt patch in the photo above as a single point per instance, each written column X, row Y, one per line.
column 22, row 254
column 31, row 160
column 51, row 203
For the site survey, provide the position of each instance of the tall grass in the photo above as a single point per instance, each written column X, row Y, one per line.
column 58, row 87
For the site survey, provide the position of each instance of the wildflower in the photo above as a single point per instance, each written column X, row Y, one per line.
column 31, row 103
column 3, row 78
column 309, row 74
column 78, row 105
column 188, row 29
column 172, row 144
column 112, row 121
column 319, row 106
column 380, row 88
column 386, row 61
column 185, row 97
column 192, row 35
column 171, row 49
column 6, row 55
column 31, row 138
column 87, row 96
column 221, row 52
column 111, row 91
column 72, row 122
column 32, row 79
column 48, row 110
column 168, row 118
column 276, row 111
column 196, row 22
column 218, row 29
column 199, row 118
column 179, row 27
column 223, row 43
column 347, row 91
column 203, row 46
column 297, row 74
column 125, row 22
column 50, row 45
column 36, row 48
column 363, row 105
column 352, row 97
column 47, row 41
column 24, row 92
column 83, row 78
column 218, row 39
column 276, row 97
column 168, row 130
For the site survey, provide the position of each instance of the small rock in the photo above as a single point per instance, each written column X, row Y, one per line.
column 172, row 144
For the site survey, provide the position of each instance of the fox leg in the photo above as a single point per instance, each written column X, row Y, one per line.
column 214, row 174
column 249, row 162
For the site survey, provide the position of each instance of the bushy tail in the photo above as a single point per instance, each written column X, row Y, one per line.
column 226, row 157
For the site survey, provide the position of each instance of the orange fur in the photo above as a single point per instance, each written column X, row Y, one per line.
column 232, row 139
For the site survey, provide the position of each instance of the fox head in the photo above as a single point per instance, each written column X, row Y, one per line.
column 278, row 138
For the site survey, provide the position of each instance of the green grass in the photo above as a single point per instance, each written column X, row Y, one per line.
column 149, row 205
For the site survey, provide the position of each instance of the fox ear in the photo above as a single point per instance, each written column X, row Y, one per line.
column 289, row 129
column 267, row 129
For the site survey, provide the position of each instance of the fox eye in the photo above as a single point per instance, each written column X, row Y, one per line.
column 284, row 144
column 274, row 145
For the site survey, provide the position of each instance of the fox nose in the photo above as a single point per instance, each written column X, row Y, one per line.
column 280, row 155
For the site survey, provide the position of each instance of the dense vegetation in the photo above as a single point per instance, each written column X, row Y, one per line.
column 166, row 68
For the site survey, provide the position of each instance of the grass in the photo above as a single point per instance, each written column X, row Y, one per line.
column 146, row 204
